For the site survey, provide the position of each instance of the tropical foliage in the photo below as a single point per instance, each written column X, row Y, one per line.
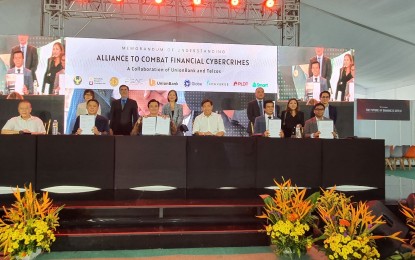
column 289, row 219
column 28, row 224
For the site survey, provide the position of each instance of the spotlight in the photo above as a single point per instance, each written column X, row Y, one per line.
column 119, row 1
column 158, row 1
column 197, row 2
column 234, row 3
column 269, row 3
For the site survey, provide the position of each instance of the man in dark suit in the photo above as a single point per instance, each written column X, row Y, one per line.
column 325, row 65
column 101, row 123
column 29, row 54
column 123, row 114
column 255, row 108
column 315, row 81
column 329, row 111
column 17, row 69
column 261, row 122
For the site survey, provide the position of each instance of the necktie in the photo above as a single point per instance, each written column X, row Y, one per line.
column 315, row 79
column 18, row 71
column 123, row 101
column 269, row 117
column 261, row 109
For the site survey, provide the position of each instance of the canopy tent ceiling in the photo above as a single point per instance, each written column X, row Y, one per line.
column 382, row 33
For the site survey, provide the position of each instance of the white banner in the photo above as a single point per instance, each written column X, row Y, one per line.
column 153, row 65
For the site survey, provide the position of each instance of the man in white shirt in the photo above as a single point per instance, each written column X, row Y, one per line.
column 208, row 123
column 25, row 123
column 19, row 69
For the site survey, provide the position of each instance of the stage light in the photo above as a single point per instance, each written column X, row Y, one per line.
column 269, row 3
column 234, row 3
column 119, row 1
column 158, row 1
column 197, row 2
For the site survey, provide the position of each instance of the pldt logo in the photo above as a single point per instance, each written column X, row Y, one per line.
column 240, row 84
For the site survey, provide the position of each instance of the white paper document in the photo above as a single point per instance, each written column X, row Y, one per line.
column 274, row 127
column 163, row 126
column 86, row 123
column 156, row 126
column 316, row 91
column 326, row 129
column 149, row 126
column 15, row 83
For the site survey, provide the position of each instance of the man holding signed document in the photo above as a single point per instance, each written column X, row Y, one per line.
column 91, row 123
column 319, row 126
column 154, row 124
column 268, row 125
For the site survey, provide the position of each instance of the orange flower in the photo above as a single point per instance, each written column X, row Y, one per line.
column 292, row 217
column 344, row 222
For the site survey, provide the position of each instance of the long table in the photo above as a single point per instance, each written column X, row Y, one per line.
column 123, row 162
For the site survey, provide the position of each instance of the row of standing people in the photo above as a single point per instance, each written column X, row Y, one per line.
column 259, row 110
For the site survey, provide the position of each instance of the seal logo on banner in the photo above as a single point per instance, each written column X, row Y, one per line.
column 114, row 81
column 77, row 80
column 152, row 82
column 187, row 83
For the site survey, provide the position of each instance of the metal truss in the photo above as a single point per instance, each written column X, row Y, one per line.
column 284, row 15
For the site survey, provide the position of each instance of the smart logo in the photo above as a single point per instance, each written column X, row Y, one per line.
column 259, row 85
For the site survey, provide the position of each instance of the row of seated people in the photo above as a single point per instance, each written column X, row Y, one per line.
column 207, row 123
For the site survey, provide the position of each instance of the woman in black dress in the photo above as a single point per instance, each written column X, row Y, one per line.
column 345, row 76
column 54, row 65
column 291, row 117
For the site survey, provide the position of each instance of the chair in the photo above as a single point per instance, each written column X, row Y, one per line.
column 387, row 156
column 397, row 155
column 410, row 156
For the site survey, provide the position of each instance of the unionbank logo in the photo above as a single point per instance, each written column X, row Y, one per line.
column 77, row 80
column 240, row 84
column 259, row 85
column 152, row 82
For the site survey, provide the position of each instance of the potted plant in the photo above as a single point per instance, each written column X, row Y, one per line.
column 348, row 227
column 289, row 219
column 28, row 225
